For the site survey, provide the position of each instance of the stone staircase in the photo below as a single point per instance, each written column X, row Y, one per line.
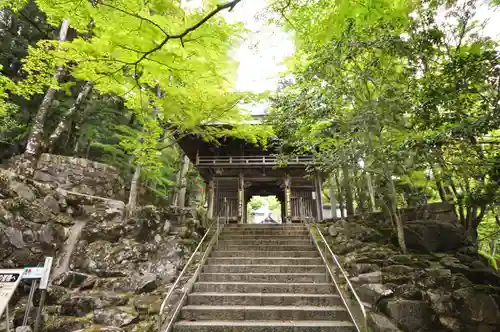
column 264, row 278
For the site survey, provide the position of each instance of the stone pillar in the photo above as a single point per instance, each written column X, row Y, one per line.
column 319, row 201
column 288, row 198
column 241, row 198
column 211, row 199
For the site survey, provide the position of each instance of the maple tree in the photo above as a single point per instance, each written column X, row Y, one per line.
column 382, row 89
column 130, row 49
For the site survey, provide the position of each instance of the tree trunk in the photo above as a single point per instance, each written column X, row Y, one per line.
column 178, row 178
column 371, row 192
column 181, row 201
column 340, row 196
column 361, row 197
column 62, row 125
column 393, row 206
column 362, row 193
column 349, row 200
column 134, row 188
column 441, row 191
column 333, row 200
column 35, row 139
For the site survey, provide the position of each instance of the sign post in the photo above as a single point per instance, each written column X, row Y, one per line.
column 9, row 280
column 44, row 281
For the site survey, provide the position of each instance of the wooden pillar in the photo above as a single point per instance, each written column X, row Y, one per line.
column 283, row 211
column 288, row 198
column 211, row 199
column 333, row 199
column 241, row 198
column 319, row 199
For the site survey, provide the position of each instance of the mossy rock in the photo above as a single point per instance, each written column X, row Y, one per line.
column 148, row 304
column 145, row 326
column 66, row 324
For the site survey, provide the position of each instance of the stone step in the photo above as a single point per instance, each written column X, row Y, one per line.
column 264, row 287
column 265, row 238
column 245, row 268
column 238, row 312
column 264, row 326
column 265, row 242
column 265, row 277
column 263, row 226
column 262, row 253
column 288, row 299
column 299, row 232
column 264, row 260
column 246, row 247
column 267, row 231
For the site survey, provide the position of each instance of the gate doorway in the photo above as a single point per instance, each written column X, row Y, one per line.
column 261, row 207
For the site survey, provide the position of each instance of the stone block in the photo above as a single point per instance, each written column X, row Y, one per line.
column 410, row 315
column 380, row 323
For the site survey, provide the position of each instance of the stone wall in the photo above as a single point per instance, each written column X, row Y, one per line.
column 80, row 175
column 444, row 212
column 437, row 211
column 110, row 273
column 440, row 285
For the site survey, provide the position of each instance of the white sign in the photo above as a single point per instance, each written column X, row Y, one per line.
column 45, row 278
column 9, row 279
column 33, row 272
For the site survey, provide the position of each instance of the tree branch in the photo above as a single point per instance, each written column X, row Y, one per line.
column 136, row 16
column 230, row 5
column 44, row 33
column 282, row 12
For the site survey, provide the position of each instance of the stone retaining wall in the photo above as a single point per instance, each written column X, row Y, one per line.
column 440, row 211
column 80, row 175
column 440, row 285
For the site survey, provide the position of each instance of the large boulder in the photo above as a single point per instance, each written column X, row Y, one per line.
column 97, row 328
column 116, row 316
column 476, row 307
column 148, row 304
column 58, row 323
column 80, row 304
column 23, row 191
column 137, row 283
column 410, row 315
column 380, row 323
column 441, row 302
column 72, row 279
column 373, row 293
column 434, row 235
column 80, row 175
column 368, row 278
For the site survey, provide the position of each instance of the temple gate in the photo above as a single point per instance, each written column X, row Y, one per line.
column 234, row 170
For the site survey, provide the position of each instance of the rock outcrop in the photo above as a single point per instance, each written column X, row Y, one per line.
column 110, row 273
column 78, row 175
column 442, row 284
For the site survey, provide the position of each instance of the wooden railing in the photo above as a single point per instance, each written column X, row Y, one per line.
column 251, row 160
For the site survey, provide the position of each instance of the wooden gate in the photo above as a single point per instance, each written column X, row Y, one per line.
column 226, row 206
column 303, row 206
